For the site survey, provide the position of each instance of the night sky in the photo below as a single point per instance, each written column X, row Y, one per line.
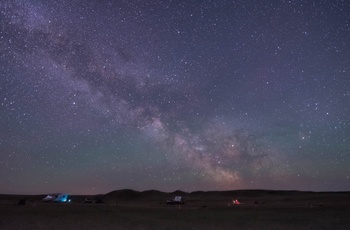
column 192, row 95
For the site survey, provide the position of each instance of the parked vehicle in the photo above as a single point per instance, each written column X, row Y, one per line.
column 176, row 200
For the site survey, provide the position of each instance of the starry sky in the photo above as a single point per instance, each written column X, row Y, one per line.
column 169, row 94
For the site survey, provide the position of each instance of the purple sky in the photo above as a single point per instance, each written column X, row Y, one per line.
column 192, row 95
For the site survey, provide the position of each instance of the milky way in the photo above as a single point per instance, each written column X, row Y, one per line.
column 190, row 95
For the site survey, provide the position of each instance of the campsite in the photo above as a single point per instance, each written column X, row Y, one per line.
column 129, row 209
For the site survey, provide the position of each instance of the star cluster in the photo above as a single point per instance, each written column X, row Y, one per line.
column 191, row 95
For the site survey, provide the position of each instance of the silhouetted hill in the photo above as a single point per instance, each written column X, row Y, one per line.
column 124, row 194
column 179, row 193
column 154, row 194
column 267, row 197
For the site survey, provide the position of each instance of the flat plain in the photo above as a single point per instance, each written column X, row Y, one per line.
column 128, row 209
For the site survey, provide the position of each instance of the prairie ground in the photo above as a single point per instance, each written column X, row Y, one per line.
column 102, row 216
column 202, row 211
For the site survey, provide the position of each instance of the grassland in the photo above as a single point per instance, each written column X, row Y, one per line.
column 133, row 210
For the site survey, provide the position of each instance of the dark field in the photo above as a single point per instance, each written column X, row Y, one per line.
column 128, row 209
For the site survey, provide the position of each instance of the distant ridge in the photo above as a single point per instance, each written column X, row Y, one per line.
column 134, row 194
column 124, row 194
column 212, row 198
column 130, row 194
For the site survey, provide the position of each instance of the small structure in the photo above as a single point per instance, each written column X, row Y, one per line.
column 176, row 200
column 57, row 197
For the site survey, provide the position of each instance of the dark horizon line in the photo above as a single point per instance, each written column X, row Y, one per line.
column 181, row 191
